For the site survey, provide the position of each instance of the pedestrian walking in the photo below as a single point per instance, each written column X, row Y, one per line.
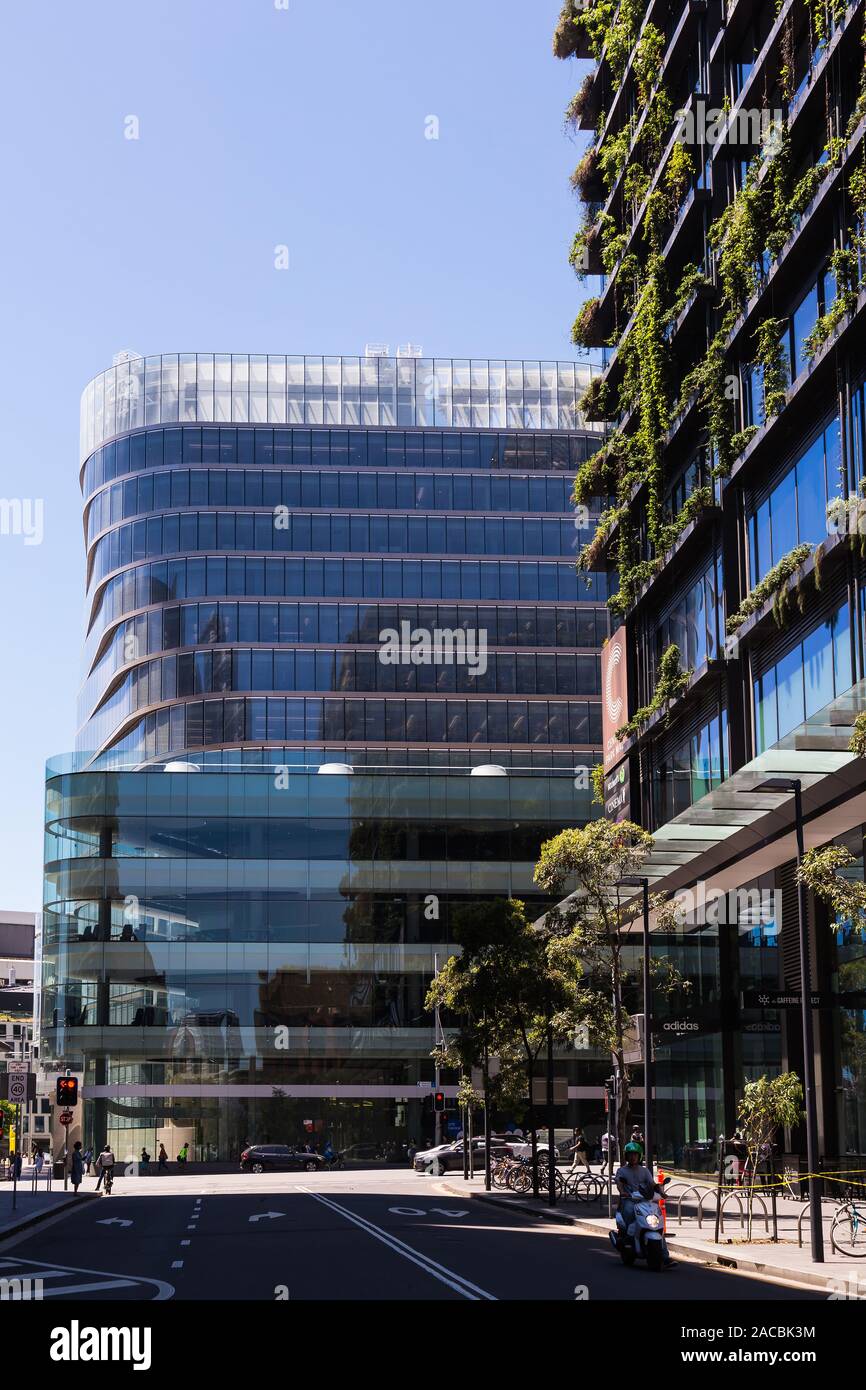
column 183, row 1154
column 145, row 1161
column 580, row 1152
column 608, row 1150
column 162, row 1159
column 88, row 1159
column 39, row 1163
column 76, row 1166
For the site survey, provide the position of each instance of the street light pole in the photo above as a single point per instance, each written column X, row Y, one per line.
column 648, row 1071
column 648, row 1076
column 816, row 1221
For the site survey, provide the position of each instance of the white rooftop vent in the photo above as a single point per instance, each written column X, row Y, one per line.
column 338, row 769
column 125, row 355
column 489, row 770
column 410, row 350
column 377, row 350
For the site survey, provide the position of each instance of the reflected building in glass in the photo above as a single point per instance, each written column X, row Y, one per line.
column 364, row 565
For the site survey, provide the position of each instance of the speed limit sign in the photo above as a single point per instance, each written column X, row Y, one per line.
column 20, row 1083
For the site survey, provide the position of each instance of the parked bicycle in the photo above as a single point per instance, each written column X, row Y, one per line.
column 585, row 1187
column 519, row 1179
column 848, row 1231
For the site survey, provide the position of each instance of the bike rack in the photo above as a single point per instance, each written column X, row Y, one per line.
column 702, row 1193
column 680, row 1196
column 756, row 1198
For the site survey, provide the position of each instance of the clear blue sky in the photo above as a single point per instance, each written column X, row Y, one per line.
column 258, row 126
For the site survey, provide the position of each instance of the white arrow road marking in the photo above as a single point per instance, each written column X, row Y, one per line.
column 114, row 1221
column 430, row 1266
column 265, row 1215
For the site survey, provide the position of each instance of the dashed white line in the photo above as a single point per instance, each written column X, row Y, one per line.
column 177, row 1264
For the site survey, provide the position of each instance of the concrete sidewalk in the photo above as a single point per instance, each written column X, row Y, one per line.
column 33, row 1207
column 784, row 1260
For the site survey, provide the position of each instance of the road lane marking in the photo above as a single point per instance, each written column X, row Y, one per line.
column 430, row 1266
column 113, row 1280
column 88, row 1288
column 186, row 1242
column 177, row 1264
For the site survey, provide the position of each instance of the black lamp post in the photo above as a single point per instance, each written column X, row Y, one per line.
column 639, row 882
column 793, row 784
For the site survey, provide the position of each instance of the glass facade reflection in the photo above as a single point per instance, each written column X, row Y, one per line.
column 222, row 387
column 215, row 942
column 235, row 950
column 219, row 555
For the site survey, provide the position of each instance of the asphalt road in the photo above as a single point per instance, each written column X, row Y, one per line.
column 367, row 1236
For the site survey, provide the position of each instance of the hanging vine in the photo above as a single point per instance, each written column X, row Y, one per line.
column 773, row 360
column 749, row 234
column 773, row 586
column 671, row 682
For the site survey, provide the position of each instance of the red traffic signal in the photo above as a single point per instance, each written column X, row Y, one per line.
column 67, row 1090
column 439, row 1100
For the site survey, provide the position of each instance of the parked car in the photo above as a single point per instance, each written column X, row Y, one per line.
column 447, row 1158
column 268, row 1158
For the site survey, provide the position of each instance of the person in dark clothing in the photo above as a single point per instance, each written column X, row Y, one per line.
column 76, row 1167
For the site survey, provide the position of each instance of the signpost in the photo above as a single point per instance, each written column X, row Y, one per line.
column 20, row 1087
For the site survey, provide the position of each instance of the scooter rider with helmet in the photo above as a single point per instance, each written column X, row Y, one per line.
column 635, row 1182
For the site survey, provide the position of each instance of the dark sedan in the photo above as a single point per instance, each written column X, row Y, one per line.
column 270, row 1158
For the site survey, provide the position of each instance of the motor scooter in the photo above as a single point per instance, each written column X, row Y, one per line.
column 643, row 1237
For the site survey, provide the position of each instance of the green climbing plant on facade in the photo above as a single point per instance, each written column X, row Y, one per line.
column 775, row 586
column 671, row 682
column 744, row 240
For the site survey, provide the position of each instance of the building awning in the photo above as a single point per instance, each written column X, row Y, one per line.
column 735, row 832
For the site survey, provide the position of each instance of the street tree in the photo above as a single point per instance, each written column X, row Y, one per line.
column 590, row 926
column 510, row 982
column 768, row 1104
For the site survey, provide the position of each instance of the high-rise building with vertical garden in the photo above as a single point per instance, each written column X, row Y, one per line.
column 725, row 196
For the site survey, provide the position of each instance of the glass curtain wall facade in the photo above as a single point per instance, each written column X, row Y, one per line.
column 291, row 563
column 239, row 577
column 230, row 954
column 761, row 467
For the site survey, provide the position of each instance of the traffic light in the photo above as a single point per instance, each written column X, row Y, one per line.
column 67, row 1090
column 439, row 1100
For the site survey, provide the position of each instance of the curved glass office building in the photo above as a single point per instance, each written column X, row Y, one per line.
column 295, row 562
